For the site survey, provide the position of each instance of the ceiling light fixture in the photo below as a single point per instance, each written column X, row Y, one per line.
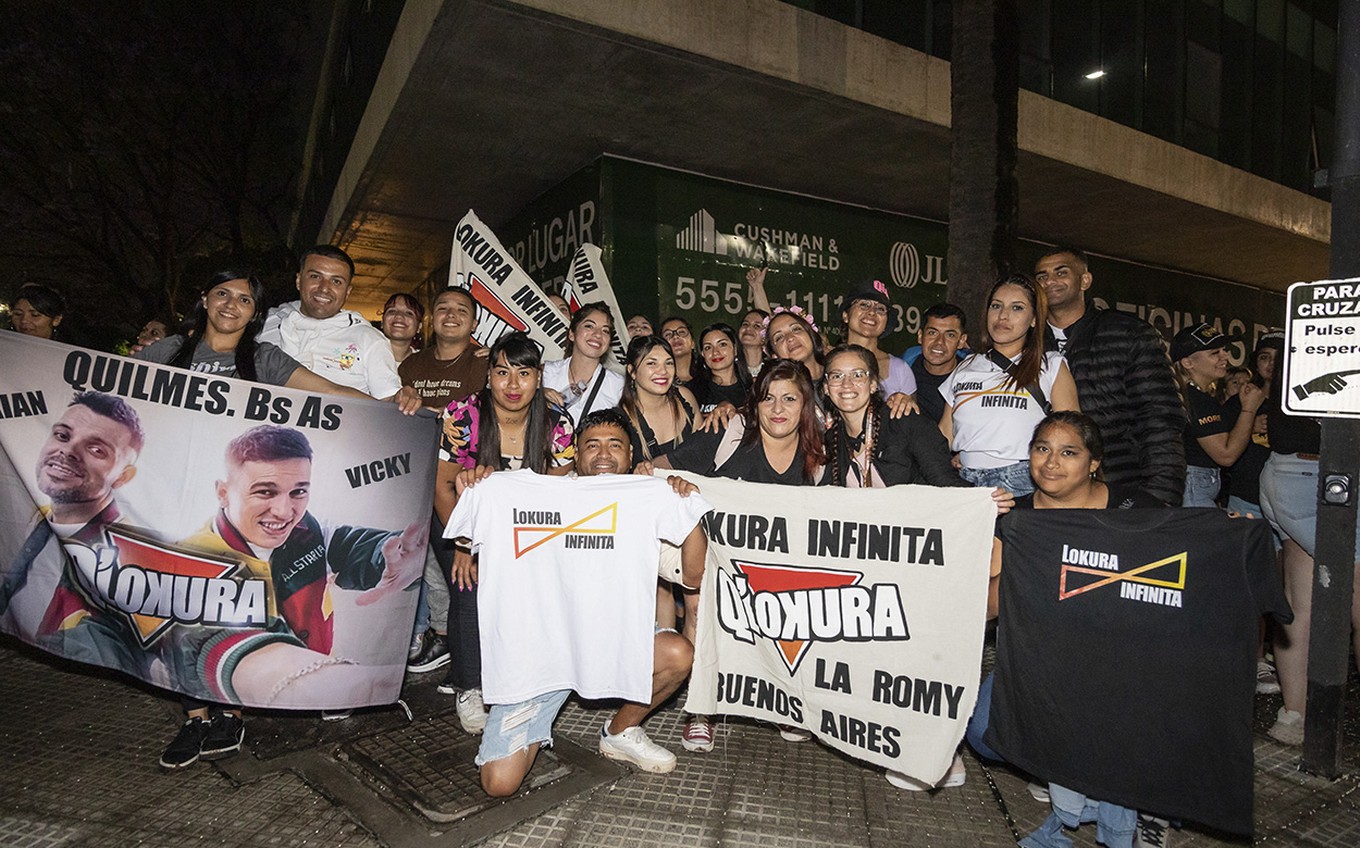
column 1095, row 75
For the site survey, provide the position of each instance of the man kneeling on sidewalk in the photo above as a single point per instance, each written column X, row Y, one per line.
column 567, row 597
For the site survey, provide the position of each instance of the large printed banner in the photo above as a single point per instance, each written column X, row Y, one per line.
column 586, row 283
column 855, row 613
column 508, row 300
column 235, row 542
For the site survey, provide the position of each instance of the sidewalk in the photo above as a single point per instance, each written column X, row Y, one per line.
column 79, row 750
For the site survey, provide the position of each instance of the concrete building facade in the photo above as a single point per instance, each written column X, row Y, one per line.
column 492, row 104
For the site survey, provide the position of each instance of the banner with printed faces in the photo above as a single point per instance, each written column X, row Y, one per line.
column 857, row 614
column 587, row 283
column 236, row 542
column 508, row 300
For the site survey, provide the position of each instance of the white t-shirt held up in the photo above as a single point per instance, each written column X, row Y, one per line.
column 567, row 568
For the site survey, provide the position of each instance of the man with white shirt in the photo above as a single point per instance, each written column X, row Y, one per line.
column 581, row 577
column 338, row 344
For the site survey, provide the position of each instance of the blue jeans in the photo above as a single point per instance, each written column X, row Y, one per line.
column 1115, row 825
column 981, row 719
column 1201, row 486
column 1013, row 478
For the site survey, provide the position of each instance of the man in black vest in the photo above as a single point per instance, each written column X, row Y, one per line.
column 1123, row 379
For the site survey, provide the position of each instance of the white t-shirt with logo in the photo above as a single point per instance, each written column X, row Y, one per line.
column 343, row 348
column 992, row 424
column 566, row 592
column 555, row 376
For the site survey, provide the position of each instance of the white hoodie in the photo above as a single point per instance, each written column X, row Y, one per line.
column 344, row 348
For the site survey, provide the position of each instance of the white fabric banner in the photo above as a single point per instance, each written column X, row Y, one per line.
column 586, row 283
column 237, row 542
column 819, row 610
column 507, row 299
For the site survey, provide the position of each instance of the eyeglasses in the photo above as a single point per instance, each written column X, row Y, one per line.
column 870, row 306
column 679, row 333
column 858, row 375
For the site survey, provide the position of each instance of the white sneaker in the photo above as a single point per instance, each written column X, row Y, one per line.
column 1288, row 727
column 1267, row 681
column 632, row 746
column 471, row 711
column 1039, row 792
column 956, row 776
column 789, row 733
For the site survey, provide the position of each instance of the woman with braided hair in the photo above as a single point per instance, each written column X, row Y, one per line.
column 865, row 447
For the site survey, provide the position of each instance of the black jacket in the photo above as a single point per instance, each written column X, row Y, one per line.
column 1124, row 382
column 910, row 449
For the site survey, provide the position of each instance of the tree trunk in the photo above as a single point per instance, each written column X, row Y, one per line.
column 983, row 193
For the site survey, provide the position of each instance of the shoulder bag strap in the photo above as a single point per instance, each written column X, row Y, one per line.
column 1009, row 367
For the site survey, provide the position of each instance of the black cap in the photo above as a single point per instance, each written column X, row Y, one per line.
column 1272, row 338
column 876, row 291
column 1197, row 338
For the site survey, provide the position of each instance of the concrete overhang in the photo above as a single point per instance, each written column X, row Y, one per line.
column 486, row 104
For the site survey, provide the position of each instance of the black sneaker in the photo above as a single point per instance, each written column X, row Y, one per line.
column 433, row 654
column 226, row 732
column 187, row 745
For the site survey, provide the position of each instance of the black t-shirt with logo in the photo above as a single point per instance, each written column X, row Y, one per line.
column 1206, row 417
column 1126, row 655
column 697, row 453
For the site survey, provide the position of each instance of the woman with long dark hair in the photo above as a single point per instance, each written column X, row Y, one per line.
column 37, row 310
column 581, row 378
column 997, row 395
column 508, row 425
column 661, row 415
column 219, row 338
column 725, row 378
column 776, row 439
column 790, row 333
column 868, row 449
column 661, row 411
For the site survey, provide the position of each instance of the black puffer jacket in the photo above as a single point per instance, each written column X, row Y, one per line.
column 1124, row 382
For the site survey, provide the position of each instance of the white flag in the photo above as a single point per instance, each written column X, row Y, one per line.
column 507, row 299
column 587, row 282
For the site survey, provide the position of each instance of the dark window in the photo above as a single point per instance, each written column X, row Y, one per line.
column 1121, row 51
column 1163, row 69
column 1075, row 52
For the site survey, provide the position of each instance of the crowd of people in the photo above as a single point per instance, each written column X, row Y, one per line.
column 1046, row 400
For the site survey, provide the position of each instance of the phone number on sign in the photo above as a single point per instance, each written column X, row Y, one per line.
column 714, row 297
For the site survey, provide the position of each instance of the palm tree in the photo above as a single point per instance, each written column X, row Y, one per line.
column 983, row 193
